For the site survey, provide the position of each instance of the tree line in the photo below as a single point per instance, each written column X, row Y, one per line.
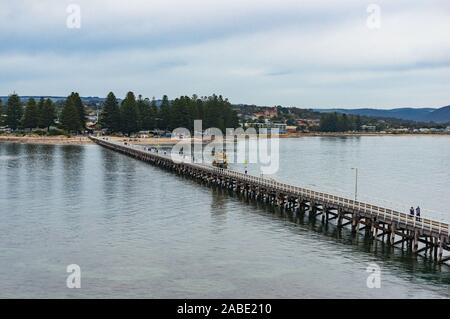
column 138, row 114
column 129, row 116
column 39, row 114
column 336, row 122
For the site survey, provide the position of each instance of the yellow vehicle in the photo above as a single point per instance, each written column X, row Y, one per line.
column 220, row 160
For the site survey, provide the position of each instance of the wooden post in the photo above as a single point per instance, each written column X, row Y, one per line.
column 441, row 248
column 415, row 241
column 435, row 240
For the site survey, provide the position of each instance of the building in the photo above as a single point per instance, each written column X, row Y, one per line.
column 307, row 123
column 291, row 129
column 267, row 113
column 268, row 125
column 369, row 128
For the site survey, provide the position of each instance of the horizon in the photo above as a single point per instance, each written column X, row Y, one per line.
column 249, row 104
column 308, row 53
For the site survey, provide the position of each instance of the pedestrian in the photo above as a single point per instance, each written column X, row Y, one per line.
column 411, row 212
column 418, row 213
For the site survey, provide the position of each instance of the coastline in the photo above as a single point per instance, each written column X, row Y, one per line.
column 46, row 140
column 84, row 140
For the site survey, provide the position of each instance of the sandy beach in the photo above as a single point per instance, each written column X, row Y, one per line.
column 54, row 140
column 83, row 140
column 76, row 140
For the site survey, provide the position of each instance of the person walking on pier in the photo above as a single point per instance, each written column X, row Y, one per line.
column 411, row 212
column 418, row 213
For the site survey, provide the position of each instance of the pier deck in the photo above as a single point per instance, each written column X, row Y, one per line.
column 426, row 236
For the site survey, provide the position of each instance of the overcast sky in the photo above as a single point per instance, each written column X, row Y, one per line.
column 294, row 53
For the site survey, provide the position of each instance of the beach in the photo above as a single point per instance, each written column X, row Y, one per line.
column 83, row 140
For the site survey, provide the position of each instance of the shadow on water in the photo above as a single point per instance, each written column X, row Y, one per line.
column 73, row 164
column 399, row 261
column 46, row 163
column 110, row 176
column 73, row 160
column 218, row 208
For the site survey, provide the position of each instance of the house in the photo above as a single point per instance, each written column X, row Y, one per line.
column 306, row 123
column 291, row 129
column 267, row 113
column 369, row 128
column 269, row 126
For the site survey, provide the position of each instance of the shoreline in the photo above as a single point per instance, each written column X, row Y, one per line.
column 84, row 140
column 46, row 140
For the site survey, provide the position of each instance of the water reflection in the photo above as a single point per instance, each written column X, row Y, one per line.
column 140, row 231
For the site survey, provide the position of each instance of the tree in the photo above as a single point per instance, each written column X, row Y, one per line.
column 14, row 112
column 358, row 123
column 30, row 117
column 110, row 116
column 76, row 100
column 40, row 108
column 1, row 112
column 165, row 113
column 142, row 113
column 153, row 114
column 147, row 114
column 128, row 114
column 48, row 114
column 70, row 116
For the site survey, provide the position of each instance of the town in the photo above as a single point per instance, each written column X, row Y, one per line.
column 144, row 117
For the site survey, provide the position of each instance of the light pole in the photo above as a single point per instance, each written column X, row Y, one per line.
column 356, row 181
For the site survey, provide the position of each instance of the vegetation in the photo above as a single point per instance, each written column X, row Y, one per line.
column 143, row 115
column 110, row 116
column 72, row 118
column 14, row 112
column 335, row 122
column 46, row 114
column 30, row 117
column 134, row 114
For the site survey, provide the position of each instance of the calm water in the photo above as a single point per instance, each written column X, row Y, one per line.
column 138, row 231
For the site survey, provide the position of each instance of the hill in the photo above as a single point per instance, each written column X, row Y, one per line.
column 440, row 115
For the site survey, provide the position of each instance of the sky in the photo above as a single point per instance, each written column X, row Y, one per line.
column 304, row 53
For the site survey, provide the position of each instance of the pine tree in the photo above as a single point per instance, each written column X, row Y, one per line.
column 140, row 112
column 40, row 109
column 110, row 116
column 153, row 120
column 76, row 100
column 70, row 116
column 128, row 114
column 147, row 115
column 14, row 112
column 165, row 113
column 48, row 114
column 30, row 117
column 180, row 113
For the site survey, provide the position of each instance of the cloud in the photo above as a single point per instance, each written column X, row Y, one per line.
column 304, row 53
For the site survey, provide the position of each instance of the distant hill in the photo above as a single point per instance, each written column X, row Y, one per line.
column 87, row 100
column 440, row 115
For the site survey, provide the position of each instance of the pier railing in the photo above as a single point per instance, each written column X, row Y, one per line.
column 382, row 213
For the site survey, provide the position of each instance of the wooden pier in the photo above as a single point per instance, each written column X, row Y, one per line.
column 422, row 236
